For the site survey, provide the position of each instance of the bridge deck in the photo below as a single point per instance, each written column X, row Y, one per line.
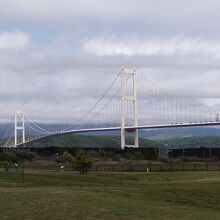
column 128, row 128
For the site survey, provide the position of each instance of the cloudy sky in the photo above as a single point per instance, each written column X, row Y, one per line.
column 57, row 57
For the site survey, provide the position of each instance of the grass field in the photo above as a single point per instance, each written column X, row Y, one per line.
column 168, row 195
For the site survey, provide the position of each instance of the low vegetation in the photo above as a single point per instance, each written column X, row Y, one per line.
column 81, row 162
column 86, row 141
column 14, row 157
column 113, row 196
column 193, row 142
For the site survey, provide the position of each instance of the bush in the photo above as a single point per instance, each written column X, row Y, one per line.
column 24, row 155
column 198, row 159
column 164, row 160
column 116, row 157
column 178, row 161
column 135, row 156
column 66, row 158
column 82, row 163
column 15, row 156
column 93, row 155
column 6, row 165
column 103, row 155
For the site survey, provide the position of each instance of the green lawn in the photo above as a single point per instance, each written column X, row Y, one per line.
column 173, row 195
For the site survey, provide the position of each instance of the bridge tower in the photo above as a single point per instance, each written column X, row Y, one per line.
column 19, row 126
column 129, row 75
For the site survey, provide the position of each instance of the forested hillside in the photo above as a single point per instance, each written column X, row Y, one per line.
column 84, row 141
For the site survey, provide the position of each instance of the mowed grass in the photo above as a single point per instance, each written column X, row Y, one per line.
column 66, row 195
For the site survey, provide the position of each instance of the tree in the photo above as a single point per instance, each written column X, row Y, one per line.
column 12, row 157
column 17, row 155
column 6, row 165
column 66, row 158
column 81, row 163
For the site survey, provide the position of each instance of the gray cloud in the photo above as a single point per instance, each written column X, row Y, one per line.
column 176, row 46
column 64, row 54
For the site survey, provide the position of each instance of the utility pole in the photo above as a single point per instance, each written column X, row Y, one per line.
column 126, row 76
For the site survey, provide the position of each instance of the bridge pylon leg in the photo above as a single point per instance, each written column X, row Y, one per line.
column 19, row 126
column 127, row 76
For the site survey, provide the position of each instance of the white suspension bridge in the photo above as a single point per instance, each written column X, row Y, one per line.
column 129, row 103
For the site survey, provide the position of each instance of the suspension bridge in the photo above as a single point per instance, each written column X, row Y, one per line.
column 130, row 102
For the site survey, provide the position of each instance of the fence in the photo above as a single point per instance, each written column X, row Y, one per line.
column 154, row 167
column 165, row 167
column 15, row 175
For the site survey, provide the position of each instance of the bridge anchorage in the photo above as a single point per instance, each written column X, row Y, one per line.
column 130, row 103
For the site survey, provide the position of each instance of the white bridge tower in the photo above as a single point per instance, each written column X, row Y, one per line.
column 19, row 126
column 129, row 95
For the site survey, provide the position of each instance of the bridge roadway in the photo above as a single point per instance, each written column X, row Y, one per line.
column 129, row 128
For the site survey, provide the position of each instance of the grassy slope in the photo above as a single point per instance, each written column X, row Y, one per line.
column 80, row 141
column 103, row 141
column 192, row 142
column 176, row 195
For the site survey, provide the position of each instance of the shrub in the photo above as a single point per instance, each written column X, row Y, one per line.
column 103, row 155
column 165, row 160
column 82, row 163
column 16, row 156
column 93, row 155
column 12, row 156
column 6, row 165
column 198, row 159
column 134, row 156
column 178, row 161
column 24, row 155
column 116, row 157
column 66, row 158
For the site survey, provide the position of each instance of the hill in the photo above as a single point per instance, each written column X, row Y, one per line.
column 193, row 142
column 168, row 133
column 85, row 141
